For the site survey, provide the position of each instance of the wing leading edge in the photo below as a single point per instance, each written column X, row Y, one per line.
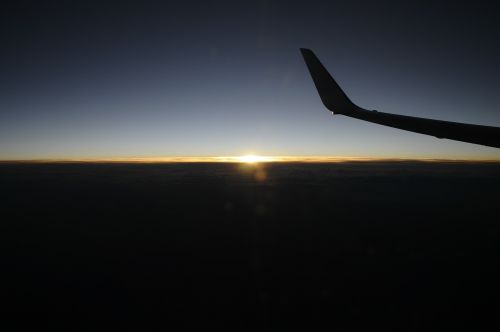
column 337, row 101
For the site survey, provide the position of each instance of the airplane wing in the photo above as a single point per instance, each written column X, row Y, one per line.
column 337, row 101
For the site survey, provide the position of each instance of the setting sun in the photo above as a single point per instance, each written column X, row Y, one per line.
column 251, row 159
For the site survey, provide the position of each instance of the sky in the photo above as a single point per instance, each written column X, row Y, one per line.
column 145, row 79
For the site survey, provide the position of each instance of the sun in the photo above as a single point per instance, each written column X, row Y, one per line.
column 251, row 159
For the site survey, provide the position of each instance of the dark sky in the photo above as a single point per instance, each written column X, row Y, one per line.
column 215, row 78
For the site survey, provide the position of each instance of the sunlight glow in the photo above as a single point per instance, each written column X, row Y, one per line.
column 252, row 159
column 248, row 159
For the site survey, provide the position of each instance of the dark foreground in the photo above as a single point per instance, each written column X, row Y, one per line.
column 350, row 246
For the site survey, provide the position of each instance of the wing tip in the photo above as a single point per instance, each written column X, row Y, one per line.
column 331, row 94
column 305, row 51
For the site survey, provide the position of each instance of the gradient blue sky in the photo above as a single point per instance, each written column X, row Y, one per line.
column 95, row 79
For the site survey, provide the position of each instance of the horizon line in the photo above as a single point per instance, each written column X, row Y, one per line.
column 241, row 159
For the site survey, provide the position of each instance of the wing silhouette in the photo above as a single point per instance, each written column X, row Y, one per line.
column 337, row 101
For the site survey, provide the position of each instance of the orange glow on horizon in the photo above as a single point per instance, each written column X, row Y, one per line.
column 248, row 159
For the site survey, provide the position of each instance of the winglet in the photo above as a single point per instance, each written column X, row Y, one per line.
column 330, row 92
